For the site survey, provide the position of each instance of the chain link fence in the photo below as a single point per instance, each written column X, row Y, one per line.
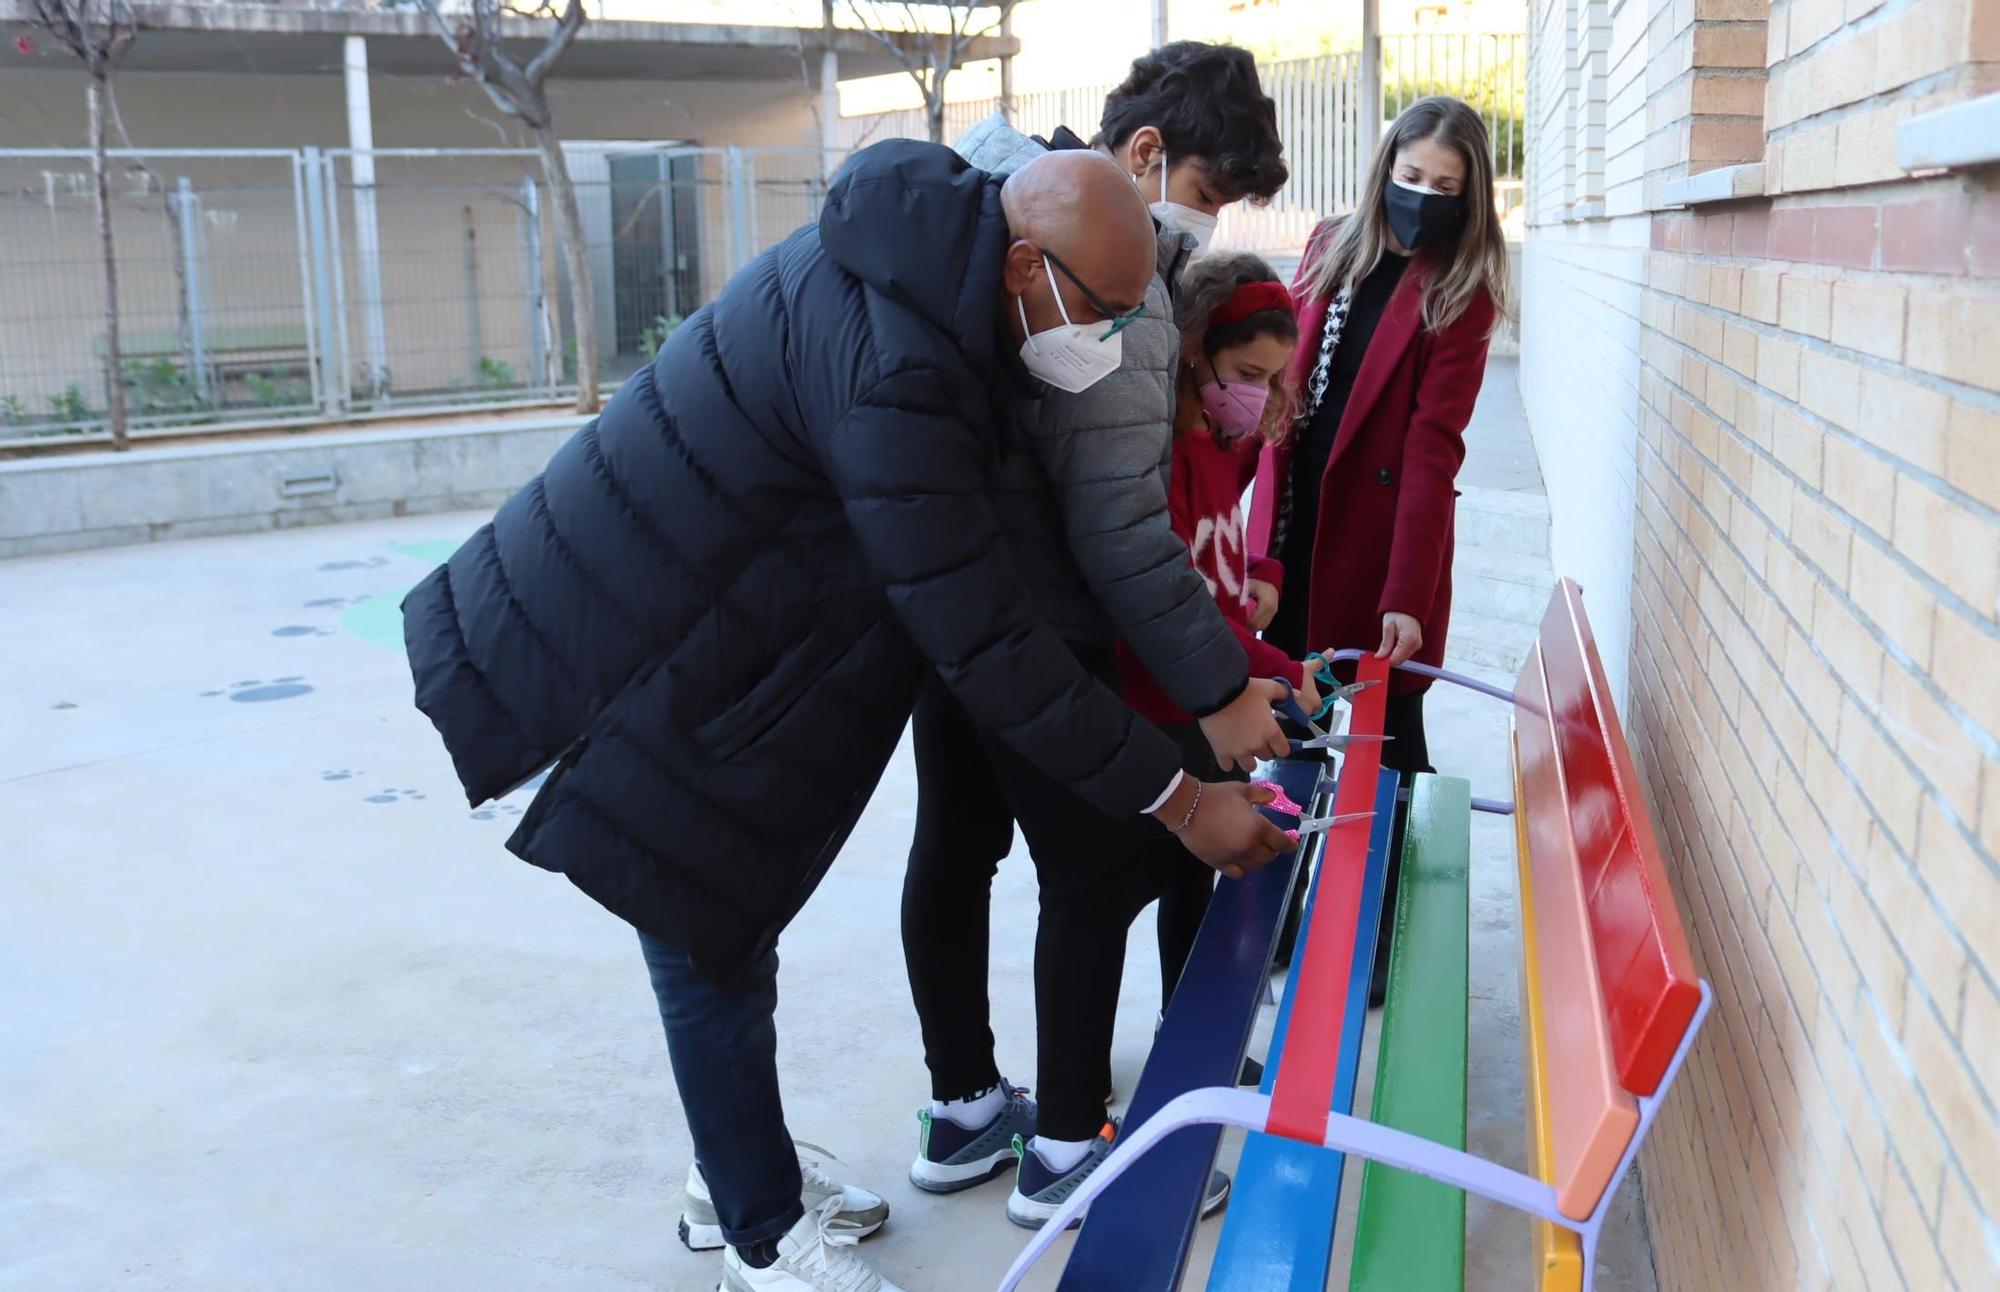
column 279, row 287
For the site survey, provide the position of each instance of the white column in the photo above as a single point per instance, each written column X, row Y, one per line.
column 1007, row 67
column 829, row 95
column 1371, row 89
column 367, row 237
column 1159, row 23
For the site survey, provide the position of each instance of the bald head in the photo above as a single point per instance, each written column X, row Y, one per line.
column 1082, row 206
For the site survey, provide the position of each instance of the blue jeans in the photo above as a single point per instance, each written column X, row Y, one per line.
column 723, row 1040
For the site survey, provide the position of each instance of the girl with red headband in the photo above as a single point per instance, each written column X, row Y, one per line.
column 1237, row 334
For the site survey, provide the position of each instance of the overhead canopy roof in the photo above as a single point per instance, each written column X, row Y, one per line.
column 294, row 38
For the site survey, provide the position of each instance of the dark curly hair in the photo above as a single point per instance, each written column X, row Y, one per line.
column 1206, row 102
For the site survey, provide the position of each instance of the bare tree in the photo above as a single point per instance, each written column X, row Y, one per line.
column 928, row 55
column 97, row 33
column 474, row 34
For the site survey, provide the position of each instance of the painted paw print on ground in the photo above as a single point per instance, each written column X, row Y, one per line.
column 371, row 563
column 395, row 796
column 343, row 774
column 332, row 603
column 257, row 692
column 301, row 630
column 496, row 812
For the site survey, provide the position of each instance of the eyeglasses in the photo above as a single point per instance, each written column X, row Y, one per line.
column 1115, row 318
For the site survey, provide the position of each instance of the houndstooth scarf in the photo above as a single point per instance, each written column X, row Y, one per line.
column 1322, row 372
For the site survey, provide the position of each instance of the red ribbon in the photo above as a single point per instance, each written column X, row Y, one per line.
column 1252, row 298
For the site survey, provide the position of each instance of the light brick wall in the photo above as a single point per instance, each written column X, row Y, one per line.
column 1772, row 444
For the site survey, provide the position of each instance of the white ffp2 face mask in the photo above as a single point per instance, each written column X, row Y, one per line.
column 1073, row 357
column 1199, row 225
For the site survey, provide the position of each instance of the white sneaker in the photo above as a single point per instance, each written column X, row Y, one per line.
column 812, row 1257
column 859, row 1213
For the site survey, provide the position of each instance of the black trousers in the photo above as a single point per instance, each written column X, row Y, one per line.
column 1094, row 877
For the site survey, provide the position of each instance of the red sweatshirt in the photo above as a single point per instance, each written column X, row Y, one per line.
column 1203, row 494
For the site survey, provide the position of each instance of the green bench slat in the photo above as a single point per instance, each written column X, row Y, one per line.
column 1409, row 1233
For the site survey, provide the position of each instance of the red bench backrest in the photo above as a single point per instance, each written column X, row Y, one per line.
column 1644, row 968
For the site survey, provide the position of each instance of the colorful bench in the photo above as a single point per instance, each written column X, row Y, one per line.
column 1611, row 1005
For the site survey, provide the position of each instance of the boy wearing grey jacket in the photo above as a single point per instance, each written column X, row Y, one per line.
column 1081, row 497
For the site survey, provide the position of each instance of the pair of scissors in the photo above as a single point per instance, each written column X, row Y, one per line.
column 1310, row 824
column 1331, row 686
column 1320, row 738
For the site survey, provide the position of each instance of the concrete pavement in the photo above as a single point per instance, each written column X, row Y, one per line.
column 277, row 1010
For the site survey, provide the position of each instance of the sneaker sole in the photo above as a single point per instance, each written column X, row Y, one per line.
column 1043, row 1212
column 708, row 1238
column 701, row 1238
column 938, row 1177
column 1210, row 1206
column 1035, row 1219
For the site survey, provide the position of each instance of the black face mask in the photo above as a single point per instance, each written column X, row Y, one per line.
column 1420, row 219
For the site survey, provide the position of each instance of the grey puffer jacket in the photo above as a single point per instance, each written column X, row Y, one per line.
column 1081, row 492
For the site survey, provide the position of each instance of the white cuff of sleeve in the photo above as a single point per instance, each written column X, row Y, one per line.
column 1166, row 794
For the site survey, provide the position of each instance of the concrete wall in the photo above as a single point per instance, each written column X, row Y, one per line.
column 240, row 486
column 1584, row 285
column 1770, row 425
column 45, row 109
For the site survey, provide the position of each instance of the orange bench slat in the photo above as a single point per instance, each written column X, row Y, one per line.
column 1592, row 1117
column 1558, row 1252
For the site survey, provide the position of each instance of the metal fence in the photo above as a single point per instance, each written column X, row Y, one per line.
column 275, row 287
column 1319, row 118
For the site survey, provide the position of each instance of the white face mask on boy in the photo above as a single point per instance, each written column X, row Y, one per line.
column 1199, row 225
column 1075, row 356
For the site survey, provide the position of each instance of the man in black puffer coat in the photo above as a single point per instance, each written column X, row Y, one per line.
column 712, row 610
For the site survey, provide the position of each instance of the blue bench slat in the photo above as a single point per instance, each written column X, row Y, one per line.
column 1279, row 1234
column 1136, row 1236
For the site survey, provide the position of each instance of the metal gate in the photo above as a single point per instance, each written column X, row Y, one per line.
column 280, row 287
column 214, row 301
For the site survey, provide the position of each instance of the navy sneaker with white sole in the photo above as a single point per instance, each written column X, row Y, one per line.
column 1039, row 1189
column 951, row 1157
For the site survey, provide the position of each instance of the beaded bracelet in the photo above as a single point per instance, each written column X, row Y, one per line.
column 1188, row 820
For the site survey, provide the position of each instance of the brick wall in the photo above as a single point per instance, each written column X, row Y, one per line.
column 1771, row 430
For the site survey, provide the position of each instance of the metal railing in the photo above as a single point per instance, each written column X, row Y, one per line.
column 1319, row 118
column 285, row 286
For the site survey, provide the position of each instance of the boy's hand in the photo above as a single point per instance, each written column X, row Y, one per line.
column 1227, row 831
column 1246, row 729
column 1264, row 603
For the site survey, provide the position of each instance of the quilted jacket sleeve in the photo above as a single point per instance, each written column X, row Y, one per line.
column 1103, row 452
column 910, row 471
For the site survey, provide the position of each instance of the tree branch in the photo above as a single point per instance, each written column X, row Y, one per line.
column 558, row 44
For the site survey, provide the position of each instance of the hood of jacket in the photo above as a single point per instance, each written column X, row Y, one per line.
column 999, row 149
column 951, row 276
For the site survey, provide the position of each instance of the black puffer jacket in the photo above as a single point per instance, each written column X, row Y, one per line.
column 713, row 608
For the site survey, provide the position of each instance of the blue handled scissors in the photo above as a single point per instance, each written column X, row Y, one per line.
column 1320, row 738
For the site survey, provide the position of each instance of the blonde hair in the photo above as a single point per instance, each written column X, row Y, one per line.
column 1478, row 260
column 1205, row 285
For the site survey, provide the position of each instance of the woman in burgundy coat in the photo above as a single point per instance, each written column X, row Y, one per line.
column 1396, row 305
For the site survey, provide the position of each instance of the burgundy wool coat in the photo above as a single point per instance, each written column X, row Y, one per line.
column 1386, row 504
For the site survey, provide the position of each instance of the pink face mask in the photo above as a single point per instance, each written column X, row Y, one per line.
column 1235, row 408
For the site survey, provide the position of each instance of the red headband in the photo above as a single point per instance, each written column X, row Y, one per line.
column 1252, row 298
